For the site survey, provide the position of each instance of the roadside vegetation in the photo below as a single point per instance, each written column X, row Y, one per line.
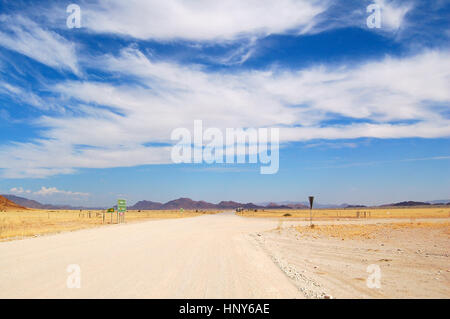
column 16, row 224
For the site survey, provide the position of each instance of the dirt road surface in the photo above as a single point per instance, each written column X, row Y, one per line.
column 203, row 257
column 220, row 256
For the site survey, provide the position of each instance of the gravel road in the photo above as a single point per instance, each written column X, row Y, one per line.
column 213, row 256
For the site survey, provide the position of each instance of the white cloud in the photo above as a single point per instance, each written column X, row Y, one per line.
column 28, row 38
column 201, row 20
column 22, row 95
column 33, row 170
column 239, row 55
column 218, row 21
column 353, row 14
column 19, row 190
column 391, row 98
column 425, row 129
column 393, row 13
column 45, row 158
column 47, row 191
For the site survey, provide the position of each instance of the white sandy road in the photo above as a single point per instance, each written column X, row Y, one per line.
column 211, row 256
column 224, row 256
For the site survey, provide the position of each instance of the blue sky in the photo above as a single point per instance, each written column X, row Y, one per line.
column 87, row 113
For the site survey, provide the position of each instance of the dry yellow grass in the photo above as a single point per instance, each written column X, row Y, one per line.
column 333, row 214
column 367, row 231
column 25, row 223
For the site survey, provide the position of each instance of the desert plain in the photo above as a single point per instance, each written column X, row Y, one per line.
column 211, row 254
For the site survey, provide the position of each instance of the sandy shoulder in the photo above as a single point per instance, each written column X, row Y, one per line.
column 414, row 261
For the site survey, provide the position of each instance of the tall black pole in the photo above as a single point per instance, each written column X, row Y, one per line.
column 311, row 200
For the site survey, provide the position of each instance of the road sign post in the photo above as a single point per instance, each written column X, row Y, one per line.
column 121, row 209
column 311, row 200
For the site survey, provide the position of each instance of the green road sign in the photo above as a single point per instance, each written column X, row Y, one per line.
column 110, row 210
column 121, row 205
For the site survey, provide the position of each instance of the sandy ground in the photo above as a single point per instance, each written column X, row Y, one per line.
column 214, row 256
column 201, row 257
column 413, row 262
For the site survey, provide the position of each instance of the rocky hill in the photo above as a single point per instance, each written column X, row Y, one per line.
column 6, row 204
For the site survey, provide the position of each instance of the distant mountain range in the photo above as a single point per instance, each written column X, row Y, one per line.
column 35, row 204
column 305, row 204
column 345, row 205
column 187, row 203
column 411, row 203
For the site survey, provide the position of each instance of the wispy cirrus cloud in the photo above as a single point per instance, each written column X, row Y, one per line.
column 201, row 20
column 204, row 20
column 22, row 35
column 23, row 96
column 115, row 123
column 353, row 13
column 394, row 13
column 118, row 124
